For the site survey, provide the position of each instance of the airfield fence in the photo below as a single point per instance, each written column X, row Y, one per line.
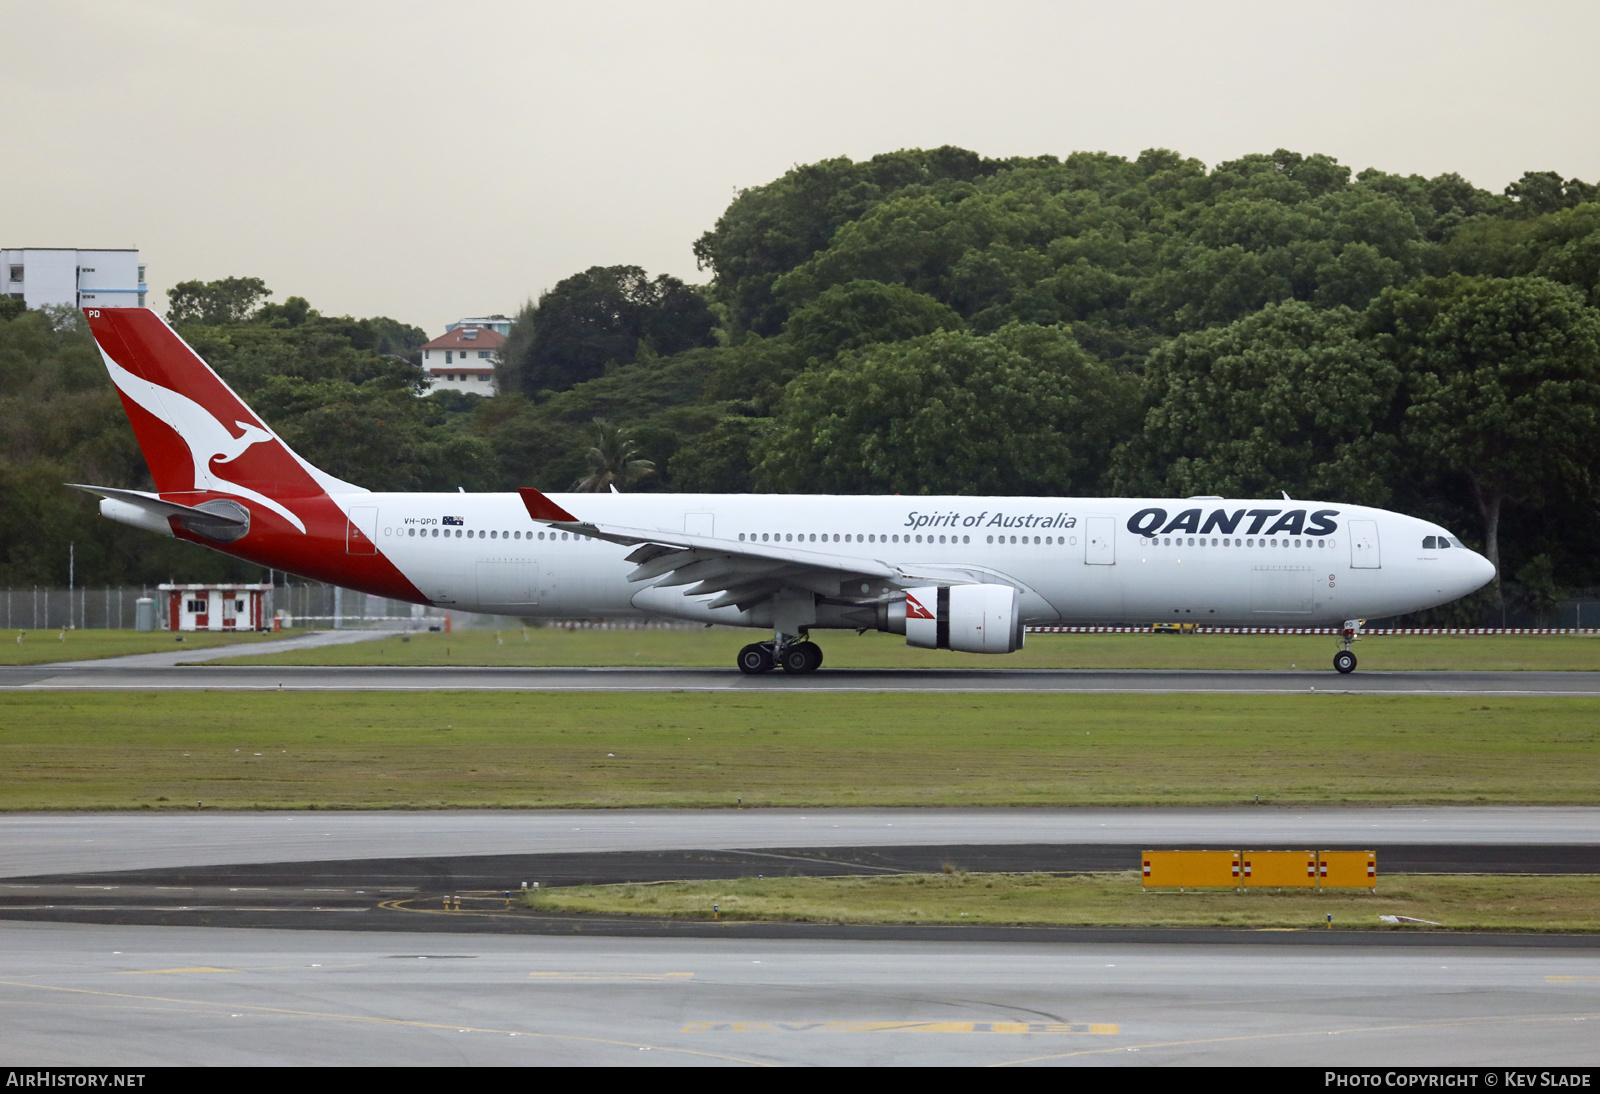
column 304, row 604
column 328, row 607
column 100, row 607
column 41, row 607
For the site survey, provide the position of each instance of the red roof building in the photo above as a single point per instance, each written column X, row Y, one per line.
column 463, row 360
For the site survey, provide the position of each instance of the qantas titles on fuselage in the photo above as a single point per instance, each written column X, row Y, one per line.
column 948, row 572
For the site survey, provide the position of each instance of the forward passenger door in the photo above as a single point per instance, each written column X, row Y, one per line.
column 1364, row 553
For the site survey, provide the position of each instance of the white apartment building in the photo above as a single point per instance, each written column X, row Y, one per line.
column 79, row 278
column 463, row 359
column 497, row 323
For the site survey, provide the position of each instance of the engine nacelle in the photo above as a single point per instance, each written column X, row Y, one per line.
column 969, row 618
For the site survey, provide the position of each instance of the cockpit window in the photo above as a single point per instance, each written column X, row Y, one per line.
column 1430, row 543
column 1444, row 542
column 1454, row 542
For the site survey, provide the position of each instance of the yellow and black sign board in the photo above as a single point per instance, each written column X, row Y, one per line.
column 1191, row 869
column 1259, row 869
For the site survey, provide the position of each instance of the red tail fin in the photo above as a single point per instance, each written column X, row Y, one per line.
column 196, row 434
column 213, row 457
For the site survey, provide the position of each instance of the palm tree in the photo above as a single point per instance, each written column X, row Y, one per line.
column 613, row 461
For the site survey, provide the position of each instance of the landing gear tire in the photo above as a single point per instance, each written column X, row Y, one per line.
column 802, row 657
column 1344, row 661
column 755, row 659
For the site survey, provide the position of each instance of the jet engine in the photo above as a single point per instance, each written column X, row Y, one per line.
column 969, row 618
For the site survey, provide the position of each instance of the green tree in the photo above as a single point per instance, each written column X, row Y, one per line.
column 722, row 459
column 603, row 317
column 861, row 313
column 771, row 229
column 614, row 461
column 1539, row 192
column 1538, row 581
column 1021, row 411
column 508, row 374
column 1565, row 247
column 1291, row 398
column 230, row 300
column 1503, row 378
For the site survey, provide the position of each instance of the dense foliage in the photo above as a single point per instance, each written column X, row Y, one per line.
column 935, row 321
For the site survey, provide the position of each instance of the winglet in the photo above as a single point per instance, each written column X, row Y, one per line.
column 542, row 508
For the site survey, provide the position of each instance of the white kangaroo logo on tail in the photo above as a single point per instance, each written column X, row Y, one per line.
column 253, row 434
column 207, row 438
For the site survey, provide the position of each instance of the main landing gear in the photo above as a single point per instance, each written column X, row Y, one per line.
column 1344, row 660
column 798, row 657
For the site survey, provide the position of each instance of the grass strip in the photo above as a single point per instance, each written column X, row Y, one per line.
column 715, row 648
column 31, row 647
column 1468, row 902
column 366, row 750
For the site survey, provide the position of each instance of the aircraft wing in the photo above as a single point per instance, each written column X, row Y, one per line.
column 745, row 573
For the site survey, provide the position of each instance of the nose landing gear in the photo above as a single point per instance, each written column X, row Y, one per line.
column 1344, row 660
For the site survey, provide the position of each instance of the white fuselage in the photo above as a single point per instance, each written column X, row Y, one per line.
column 1076, row 560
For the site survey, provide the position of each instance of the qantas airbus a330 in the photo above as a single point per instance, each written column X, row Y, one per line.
column 961, row 573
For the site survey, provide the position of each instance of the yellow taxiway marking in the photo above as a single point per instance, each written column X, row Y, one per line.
column 900, row 1027
column 207, row 1006
column 1506, row 1020
column 152, row 972
column 1568, row 979
column 403, row 905
column 611, row 976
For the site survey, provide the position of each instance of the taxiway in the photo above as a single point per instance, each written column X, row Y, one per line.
column 132, row 995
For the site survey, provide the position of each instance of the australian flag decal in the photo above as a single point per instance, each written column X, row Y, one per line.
column 451, row 520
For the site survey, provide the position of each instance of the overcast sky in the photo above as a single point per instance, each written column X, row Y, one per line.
column 430, row 161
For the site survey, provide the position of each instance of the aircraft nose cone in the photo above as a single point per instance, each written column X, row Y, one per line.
column 1481, row 571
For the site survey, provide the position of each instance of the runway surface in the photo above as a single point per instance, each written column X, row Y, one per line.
column 91, row 675
column 131, row 996
column 71, row 843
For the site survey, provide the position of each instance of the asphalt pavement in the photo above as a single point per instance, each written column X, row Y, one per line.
column 129, row 996
column 71, row 843
column 114, row 675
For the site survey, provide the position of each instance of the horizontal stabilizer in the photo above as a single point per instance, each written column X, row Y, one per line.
column 219, row 520
column 152, row 503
